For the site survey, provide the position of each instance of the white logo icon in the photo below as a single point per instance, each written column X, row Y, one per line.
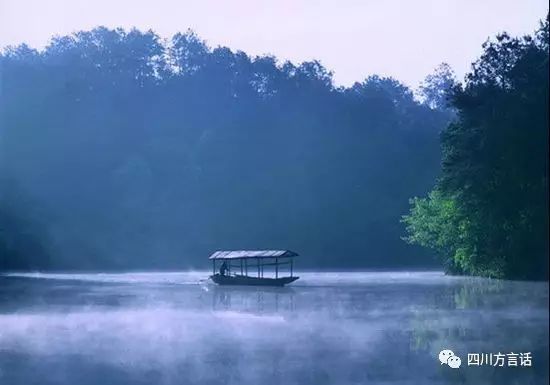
column 448, row 357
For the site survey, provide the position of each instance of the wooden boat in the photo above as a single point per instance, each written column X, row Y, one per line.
column 257, row 261
column 251, row 281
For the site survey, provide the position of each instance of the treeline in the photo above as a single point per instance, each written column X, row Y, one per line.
column 134, row 153
column 488, row 213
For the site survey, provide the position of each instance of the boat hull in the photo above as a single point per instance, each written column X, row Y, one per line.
column 242, row 280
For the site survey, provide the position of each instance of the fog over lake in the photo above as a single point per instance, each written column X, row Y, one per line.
column 327, row 328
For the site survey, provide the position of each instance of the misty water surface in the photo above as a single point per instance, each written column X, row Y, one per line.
column 327, row 328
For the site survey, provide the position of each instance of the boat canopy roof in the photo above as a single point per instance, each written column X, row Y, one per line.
column 243, row 254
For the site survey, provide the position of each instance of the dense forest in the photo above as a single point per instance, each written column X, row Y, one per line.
column 124, row 151
column 488, row 213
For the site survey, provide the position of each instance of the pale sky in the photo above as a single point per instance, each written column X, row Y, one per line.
column 405, row 39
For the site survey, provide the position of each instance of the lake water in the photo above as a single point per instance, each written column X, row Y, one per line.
column 326, row 328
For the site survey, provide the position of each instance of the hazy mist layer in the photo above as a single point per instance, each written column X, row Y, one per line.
column 327, row 328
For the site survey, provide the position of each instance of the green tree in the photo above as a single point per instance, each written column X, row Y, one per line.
column 494, row 163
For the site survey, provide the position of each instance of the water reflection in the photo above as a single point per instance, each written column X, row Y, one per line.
column 332, row 328
column 254, row 300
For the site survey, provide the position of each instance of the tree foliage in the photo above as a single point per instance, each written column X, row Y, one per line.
column 436, row 89
column 494, row 166
column 142, row 154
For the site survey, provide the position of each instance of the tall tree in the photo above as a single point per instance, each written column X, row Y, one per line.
column 150, row 155
column 436, row 89
column 494, row 167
